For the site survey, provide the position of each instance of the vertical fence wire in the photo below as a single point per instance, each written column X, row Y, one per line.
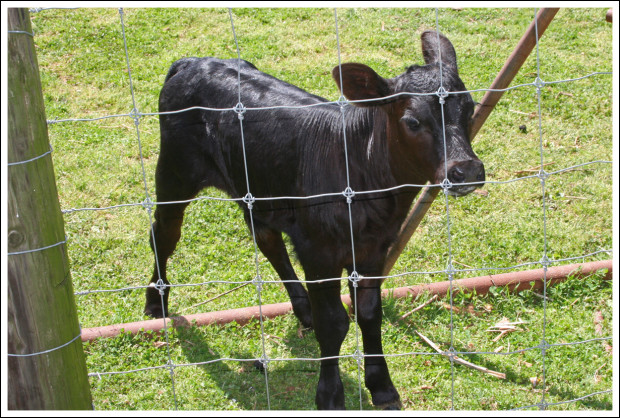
column 148, row 205
column 543, row 176
column 135, row 113
column 441, row 96
column 249, row 200
column 349, row 194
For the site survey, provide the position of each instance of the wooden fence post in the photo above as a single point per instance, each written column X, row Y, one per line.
column 46, row 363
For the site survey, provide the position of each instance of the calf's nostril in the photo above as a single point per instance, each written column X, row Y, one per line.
column 457, row 175
column 481, row 175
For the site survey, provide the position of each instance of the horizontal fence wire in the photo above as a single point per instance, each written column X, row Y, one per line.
column 35, row 250
column 330, row 103
column 148, row 204
column 389, row 276
column 47, row 351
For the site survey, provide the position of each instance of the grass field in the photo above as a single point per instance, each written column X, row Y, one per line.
column 98, row 164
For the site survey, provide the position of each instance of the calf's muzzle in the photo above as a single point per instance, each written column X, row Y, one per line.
column 465, row 176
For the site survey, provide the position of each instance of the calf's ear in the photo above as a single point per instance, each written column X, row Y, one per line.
column 435, row 46
column 360, row 82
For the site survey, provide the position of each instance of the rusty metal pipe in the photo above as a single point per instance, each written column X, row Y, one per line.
column 511, row 67
column 516, row 281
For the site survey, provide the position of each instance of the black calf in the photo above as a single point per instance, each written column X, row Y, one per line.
column 300, row 152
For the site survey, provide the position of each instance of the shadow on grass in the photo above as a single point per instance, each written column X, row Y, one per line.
column 291, row 384
column 515, row 379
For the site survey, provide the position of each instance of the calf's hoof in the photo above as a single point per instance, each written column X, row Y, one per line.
column 306, row 321
column 391, row 406
column 156, row 305
column 154, row 311
column 302, row 310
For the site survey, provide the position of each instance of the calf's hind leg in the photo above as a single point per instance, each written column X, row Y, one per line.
column 270, row 243
column 166, row 229
column 165, row 234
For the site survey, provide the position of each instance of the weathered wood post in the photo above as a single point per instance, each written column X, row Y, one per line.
column 46, row 364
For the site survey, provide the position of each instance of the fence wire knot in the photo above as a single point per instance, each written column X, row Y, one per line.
column 135, row 115
column 342, row 102
column 349, row 194
column 359, row 357
column 450, row 270
column 148, row 204
column 354, row 278
column 160, row 286
column 545, row 261
column 249, row 200
column 446, row 185
column 451, row 353
column 264, row 361
column 239, row 109
column 539, row 83
column 543, row 175
column 258, row 283
column 543, row 347
column 442, row 94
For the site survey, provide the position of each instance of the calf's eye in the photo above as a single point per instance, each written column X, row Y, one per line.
column 412, row 123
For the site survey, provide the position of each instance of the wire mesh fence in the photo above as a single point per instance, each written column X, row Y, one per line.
column 98, row 218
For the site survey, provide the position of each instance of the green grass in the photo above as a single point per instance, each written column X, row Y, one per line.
column 424, row 379
column 84, row 75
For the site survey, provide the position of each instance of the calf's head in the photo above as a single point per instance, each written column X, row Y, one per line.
column 428, row 132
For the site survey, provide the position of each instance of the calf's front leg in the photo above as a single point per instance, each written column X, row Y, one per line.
column 367, row 297
column 331, row 323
